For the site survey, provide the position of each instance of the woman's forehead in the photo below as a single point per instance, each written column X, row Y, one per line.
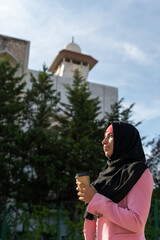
column 110, row 128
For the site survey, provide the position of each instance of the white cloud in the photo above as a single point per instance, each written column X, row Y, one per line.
column 134, row 52
column 147, row 111
column 130, row 51
column 50, row 25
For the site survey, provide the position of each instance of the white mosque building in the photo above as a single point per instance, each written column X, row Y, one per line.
column 69, row 59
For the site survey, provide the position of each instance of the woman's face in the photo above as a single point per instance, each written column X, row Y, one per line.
column 108, row 144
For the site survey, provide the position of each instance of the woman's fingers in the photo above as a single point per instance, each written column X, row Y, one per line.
column 81, row 185
column 81, row 199
column 80, row 194
column 85, row 192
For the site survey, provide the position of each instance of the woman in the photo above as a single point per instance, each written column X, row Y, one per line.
column 119, row 199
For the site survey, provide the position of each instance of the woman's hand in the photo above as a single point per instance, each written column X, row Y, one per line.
column 85, row 192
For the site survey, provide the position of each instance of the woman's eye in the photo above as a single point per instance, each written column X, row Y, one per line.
column 111, row 136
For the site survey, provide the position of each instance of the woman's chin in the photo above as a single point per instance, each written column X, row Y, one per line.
column 106, row 154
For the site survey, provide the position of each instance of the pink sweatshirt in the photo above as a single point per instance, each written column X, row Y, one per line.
column 125, row 220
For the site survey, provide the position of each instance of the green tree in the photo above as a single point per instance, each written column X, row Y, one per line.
column 42, row 162
column 82, row 133
column 120, row 113
column 153, row 160
column 11, row 133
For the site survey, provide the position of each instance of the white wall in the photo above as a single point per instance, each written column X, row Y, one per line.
column 107, row 94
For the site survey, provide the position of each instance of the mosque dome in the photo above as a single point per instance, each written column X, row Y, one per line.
column 73, row 47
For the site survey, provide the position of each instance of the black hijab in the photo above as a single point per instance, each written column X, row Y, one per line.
column 125, row 166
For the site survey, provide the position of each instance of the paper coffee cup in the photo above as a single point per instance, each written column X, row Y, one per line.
column 83, row 178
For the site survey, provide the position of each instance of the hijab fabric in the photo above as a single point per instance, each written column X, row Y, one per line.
column 125, row 166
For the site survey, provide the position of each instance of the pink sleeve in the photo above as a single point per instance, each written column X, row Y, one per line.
column 134, row 216
column 89, row 229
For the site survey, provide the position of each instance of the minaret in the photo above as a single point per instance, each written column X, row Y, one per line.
column 70, row 59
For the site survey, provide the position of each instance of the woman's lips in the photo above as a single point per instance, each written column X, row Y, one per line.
column 105, row 148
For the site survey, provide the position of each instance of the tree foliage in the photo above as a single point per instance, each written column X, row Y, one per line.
column 153, row 160
column 41, row 140
column 82, row 133
column 121, row 113
column 11, row 134
column 53, row 145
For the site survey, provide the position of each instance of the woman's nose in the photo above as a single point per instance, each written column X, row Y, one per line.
column 104, row 141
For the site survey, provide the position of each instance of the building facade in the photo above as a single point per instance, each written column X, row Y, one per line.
column 69, row 59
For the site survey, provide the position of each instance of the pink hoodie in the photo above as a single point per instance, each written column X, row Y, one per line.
column 125, row 220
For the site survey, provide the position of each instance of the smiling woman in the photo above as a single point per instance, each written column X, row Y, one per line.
column 115, row 200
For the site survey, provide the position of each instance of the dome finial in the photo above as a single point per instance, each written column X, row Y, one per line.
column 73, row 46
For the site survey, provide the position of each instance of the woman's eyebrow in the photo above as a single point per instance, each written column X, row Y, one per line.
column 108, row 135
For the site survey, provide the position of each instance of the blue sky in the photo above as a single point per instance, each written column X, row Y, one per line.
column 123, row 35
